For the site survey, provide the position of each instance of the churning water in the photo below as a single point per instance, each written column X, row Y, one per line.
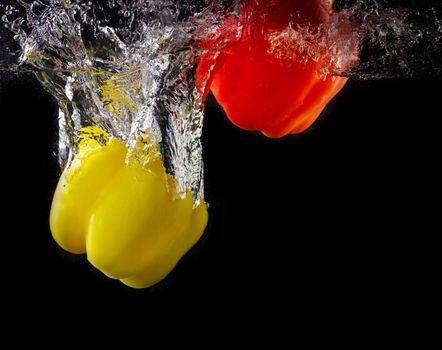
column 129, row 67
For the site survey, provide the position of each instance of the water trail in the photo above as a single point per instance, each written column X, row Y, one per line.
column 126, row 67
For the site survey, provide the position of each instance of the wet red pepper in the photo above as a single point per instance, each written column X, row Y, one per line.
column 260, row 91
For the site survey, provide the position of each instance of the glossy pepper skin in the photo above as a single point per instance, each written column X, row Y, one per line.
column 127, row 217
column 259, row 91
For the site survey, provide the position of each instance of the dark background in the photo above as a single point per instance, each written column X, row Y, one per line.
column 345, row 211
column 345, row 215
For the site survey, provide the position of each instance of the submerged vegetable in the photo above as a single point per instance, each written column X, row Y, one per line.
column 261, row 90
column 126, row 216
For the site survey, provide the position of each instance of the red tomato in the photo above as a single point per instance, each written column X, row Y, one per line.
column 259, row 91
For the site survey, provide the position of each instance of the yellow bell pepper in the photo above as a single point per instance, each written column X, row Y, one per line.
column 123, row 212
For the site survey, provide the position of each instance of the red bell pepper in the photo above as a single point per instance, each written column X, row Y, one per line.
column 258, row 90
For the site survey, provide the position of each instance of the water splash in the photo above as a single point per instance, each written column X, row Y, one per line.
column 398, row 39
column 128, row 67
column 368, row 39
column 336, row 44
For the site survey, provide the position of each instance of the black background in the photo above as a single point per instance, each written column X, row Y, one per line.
column 346, row 214
column 341, row 212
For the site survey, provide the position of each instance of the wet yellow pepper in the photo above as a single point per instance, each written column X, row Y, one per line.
column 125, row 215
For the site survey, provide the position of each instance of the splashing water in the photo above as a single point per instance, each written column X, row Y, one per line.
column 398, row 39
column 128, row 67
column 369, row 39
